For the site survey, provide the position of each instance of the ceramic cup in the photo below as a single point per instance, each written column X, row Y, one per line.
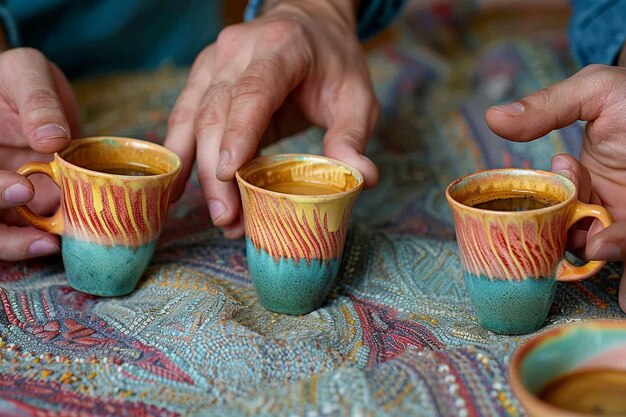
column 296, row 211
column 574, row 370
column 114, row 197
column 511, row 228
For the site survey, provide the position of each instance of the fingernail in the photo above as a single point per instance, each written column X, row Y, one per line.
column 564, row 173
column 607, row 252
column 216, row 209
column 223, row 161
column 51, row 131
column 42, row 247
column 512, row 109
column 17, row 194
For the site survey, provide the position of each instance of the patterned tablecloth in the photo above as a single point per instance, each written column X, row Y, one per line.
column 397, row 337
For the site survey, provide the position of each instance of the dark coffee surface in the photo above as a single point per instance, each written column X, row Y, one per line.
column 302, row 188
column 134, row 170
column 515, row 201
column 600, row 392
column 512, row 204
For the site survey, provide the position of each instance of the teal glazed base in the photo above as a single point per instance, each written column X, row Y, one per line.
column 289, row 287
column 104, row 270
column 511, row 307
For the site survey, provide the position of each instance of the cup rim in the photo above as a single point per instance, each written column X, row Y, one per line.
column 302, row 197
column 452, row 201
column 523, row 395
column 60, row 157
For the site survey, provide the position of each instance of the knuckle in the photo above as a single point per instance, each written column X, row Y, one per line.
column 246, row 132
column 40, row 99
column 230, row 34
column 21, row 54
column 283, row 30
column 544, row 96
column 350, row 137
column 19, row 59
column 212, row 112
column 208, row 117
column 206, row 175
column 250, row 87
column 180, row 116
column 257, row 82
column 593, row 69
column 600, row 79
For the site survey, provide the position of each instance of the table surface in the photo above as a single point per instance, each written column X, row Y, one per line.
column 397, row 336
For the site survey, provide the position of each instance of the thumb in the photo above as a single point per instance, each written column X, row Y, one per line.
column 580, row 97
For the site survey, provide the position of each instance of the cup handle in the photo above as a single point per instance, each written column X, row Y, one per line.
column 54, row 223
column 565, row 271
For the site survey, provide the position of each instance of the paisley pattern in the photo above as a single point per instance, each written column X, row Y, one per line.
column 397, row 336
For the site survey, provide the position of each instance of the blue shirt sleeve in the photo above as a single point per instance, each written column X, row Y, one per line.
column 375, row 15
column 8, row 25
column 597, row 30
column 372, row 16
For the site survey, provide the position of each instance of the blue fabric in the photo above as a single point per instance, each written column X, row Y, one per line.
column 108, row 35
column 252, row 10
column 372, row 16
column 375, row 15
column 598, row 30
column 8, row 25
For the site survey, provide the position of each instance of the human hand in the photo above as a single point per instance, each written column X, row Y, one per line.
column 38, row 113
column 298, row 64
column 596, row 94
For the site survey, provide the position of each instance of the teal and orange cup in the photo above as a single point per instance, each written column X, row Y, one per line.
column 511, row 228
column 114, row 198
column 296, row 212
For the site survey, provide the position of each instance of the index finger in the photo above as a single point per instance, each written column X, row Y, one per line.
column 263, row 86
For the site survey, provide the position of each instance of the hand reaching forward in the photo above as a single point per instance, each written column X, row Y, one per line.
column 38, row 113
column 596, row 94
column 298, row 64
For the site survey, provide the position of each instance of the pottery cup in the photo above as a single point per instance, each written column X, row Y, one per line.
column 575, row 370
column 296, row 210
column 114, row 197
column 511, row 228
